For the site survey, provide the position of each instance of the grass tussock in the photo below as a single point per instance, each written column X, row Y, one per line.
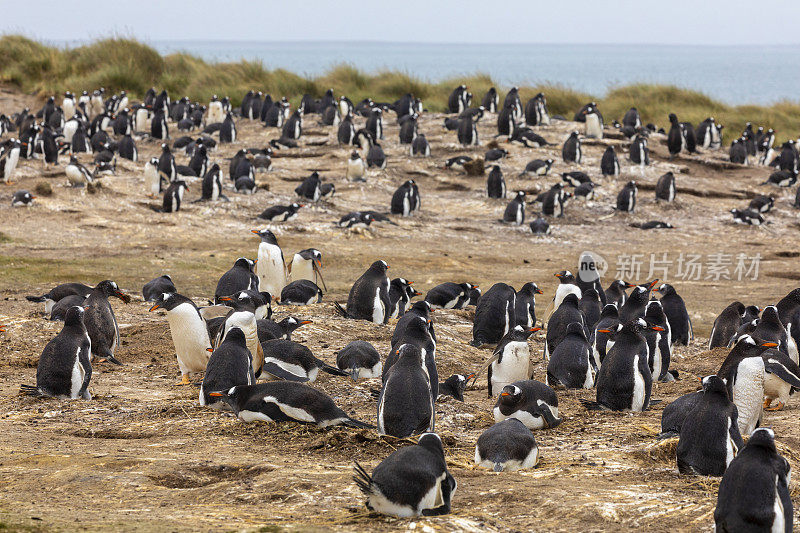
column 126, row 64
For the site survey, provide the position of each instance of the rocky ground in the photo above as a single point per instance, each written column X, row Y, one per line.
column 143, row 455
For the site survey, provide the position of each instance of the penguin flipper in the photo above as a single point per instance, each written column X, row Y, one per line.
column 549, row 418
column 331, row 369
column 341, row 310
column 30, row 390
column 353, row 423
column 362, row 479
column 591, row 405
column 38, row 299
column 280, row 373
column 774, row 366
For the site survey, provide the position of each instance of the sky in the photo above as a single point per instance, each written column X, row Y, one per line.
column 708, row 22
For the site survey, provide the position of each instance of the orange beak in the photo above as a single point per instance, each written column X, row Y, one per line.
column 304, row 322
column 535, row 329
column 155, row 306
column 604, row 331
column 769, row 344
column 256, row 232
column 505, row 394
column 653, row 283
column 539, row 291
column 226, row 299
column 215, row 394
column 657, row 328
column 210, row 350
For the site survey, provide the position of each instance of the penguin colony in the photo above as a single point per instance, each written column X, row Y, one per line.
column 617, row 340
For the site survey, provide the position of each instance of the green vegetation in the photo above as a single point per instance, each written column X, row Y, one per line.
column 125, row 64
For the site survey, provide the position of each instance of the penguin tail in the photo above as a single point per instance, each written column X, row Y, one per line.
column 110, row 358
column 38, row 299
column 591, row 406
column 353, row 423
column 362, row 479
column 333, row 370
column 668, row 435
column 375, row 393
column 30, row 390
column 341, row 310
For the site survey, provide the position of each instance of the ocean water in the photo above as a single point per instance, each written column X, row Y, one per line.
column 732, row 74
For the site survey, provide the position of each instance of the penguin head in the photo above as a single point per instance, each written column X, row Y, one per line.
column 714, row 385
column 530, row 288
column 74, row 316
column 520, row 333
column 243, row 300
column 576, row 328
column 610, row 310
column 379, row 266
column 231, row 395
column 763, row 438
column 266, row 235
column 311, row 254
column 520, row 196
column 244, row 262
column 565, row 276
column 110, row 288
column 432, row 442
column 665, row 289
column 289, row 324
column 455, row 385
column 354, row 155
column 236, row 336
column 510, row 395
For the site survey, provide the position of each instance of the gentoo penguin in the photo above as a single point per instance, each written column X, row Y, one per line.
column 624, row 381
column 467, row 132
column 632, row 118
column 455, row 385
column 127, row 149
column 22, row 199
column 356, row 219
column 188, row 330
column 310, row 188
column 674, row 307
column 589, row 277
column 789, row 312
column 9, row 157
column 601, row 341
column 567, row 312
column 269, row 329
column 495, row 183
column 243, row 316
column 636, row 304
column 417, row 332
column 360, row 359
column 594, row 123
column 449, row 295
column 665, row 188
column 507, row 446
column 420, row 309
column 374, row 123
column 609, row 163
column 356, row 167
column 762, row 203
column 709, row 435
column 153, row 289
column 152, row 178
column 675, row 139
column 240, row 277
column 62, row 306
column 173, row 196
column 290, row 360
column 525, row 308
column 412, row 481
column 408, row 129
column 420, row 146
column 495, row 154
column 230, row 365
column 369, row 296
column 781, row 178
column 515, row 210
column 760, row 470
column 554, row 200
column 529, row 401
column 490, row 100
column 212, row 184
column 626, row 198
column 376, row 157
column 227, row 132
column 401, row 292
column 64, row 369
column 301, row 292
column 571, row 151
column 405, row 200
column 747, row 217
column 77, row 174
column 771, row 328
column 527, row 137
column 743, row 371
column 307, row 264
column 270, row 267
column 537, row 167
column 536, row 111
column 639, row 153
column 569, row 365
column 659, row 341
column 775, row 384
column 457, row 101
column 346, row 133
column 405, row 404
column 567, row 285
column 510, row 361
column 158, row 125
column 675, row 413
column 101, row 324
column 591, row 306
column 726, row 325
column 281, row 213
column 60, row 292
column 738, row 152
column 167, row 169
column 494, row 315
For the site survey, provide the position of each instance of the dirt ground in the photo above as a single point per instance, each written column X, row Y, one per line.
column 142, row 455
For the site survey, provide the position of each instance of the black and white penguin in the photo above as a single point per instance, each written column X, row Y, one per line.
column 64, row 368
column 374, row 123
column 525, row 307
column 60, row 292
column 659, row 342
column 624, row 381
column 675, row 413
column 449, row 295
column 531, row 402
column 405, row 404
column 747, row 217
column 781, row 178
column 405, row 200
column 416, row 331
column 301, row 292
column 230, row 365
column 675, row 139
column 153, row 289
column 709, row 435
column 639, row 152
column 77, row 174
column 101, row 324
column 495, row 183
column 420, row 146
column 675, row 308
column 167, row 169
column 227, row 132
column 594, row 122
column 726, row 325
column 762, row 203
column 356, row 167
column 240, row 277
column 454, row 386
column 771, row 328
column 738, row 152
column 591, row 306
column 269, row 329
column 127, row 149
column 355, row 219
column 575, row 178
column 602, row 339
column 189, row 333
column 457, row 101
column 408, row 129
column 494, row 315
column 173, row 196
column 346, row 132
column 9, row 157
column 467, row 133
column 626, row 198
column 757, row 469
column 507, row 446
column 310, row 188
column 510, row 361
column 281, row 213
column 567, row 285
column 22, row 199
column 412, row 481
column 615, row 293
column 212, row 184
column 284, row 401
column 290, row 360
column 158, row 126
column 569, row 363
column 369, row 296
column 665, row 188
column 515, row 210
column 571, row 152
column 609, row 163
column 540, row 226
column 490, row 100
column 360, row 359
column 537, row 167
column 376, row 158
column 271, row 266
column 636, row 303
column 554, row 200
column 401, row 291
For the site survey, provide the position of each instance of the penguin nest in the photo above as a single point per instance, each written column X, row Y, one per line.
column 663, row 451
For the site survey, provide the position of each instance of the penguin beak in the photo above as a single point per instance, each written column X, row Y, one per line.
column 769, row 344
column 534, row 330
column 539, row 291
column 122, row 296
column 417, row 293
column 225, row 299
column 657, row 328
column 604, row 331
column 505, row 394
column 210, row 350
column 2, row 329
column 557, row 275
column 410, row 282
column 254, row 231
column 217, row 394
column 155, row 306
column 304, row 322
column 628, row 285
column 653, row 283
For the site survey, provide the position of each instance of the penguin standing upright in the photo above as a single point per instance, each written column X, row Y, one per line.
column 270, row 267
column 155, row 288
column 468, row 131
column 726, row 325
column 405, row 200
column 127, row 149
column 310, row 189
column 173, row 196
column 230, row 365
column 759, row 470
column 709, row 436
column 675, row 139
column 212, row 184
column 490, row 100
column 167, row 169
column 525, row 308
column 626, row 198
column 356, row 167
column 369, row 296
column 401, row 292
column 602, row 341
column 64, row 370
column 507, row 446
column 307, row 264
column 101, row 324
column 242, row 316
column 659, row 341
column 158, row 126
column 494, row 315
column 591, row 306
column 567, row 312
column 417, row 331
column 609, row 163
column 495, row 183
column 227, row 132
column 665, row 187
column 569, row 365
column 594, row 123
column 571, row 151
column 675, row 308
column 413, row 481
column 9, row 157
column 515, row 210
column 240, row 277
column 405, row 404
column 636, row 304
column 531, row 402
column 189, row 333
column 510, row 361
column 567, row 285
column 374, row 123
column 420, row 146
column 639, row 153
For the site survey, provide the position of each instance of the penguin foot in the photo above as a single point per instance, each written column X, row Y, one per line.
column 778, row 407
column 767, row 402
column 184, row 380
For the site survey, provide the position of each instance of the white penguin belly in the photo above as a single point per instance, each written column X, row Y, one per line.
column 190, row 337
column 563, row 290
column 730, row 447
column 748, row 393
column 303, row 269
column 776, row 388
column 78, row 374
column 779, row 522
column 245, row 321
column 270, row 269
column 513, row 366
column 377, row 308
column 637, row 402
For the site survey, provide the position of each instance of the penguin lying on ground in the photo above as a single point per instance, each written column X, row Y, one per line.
column 60, row 291
column 284, row 401
column 269, row 329
column 507, row 445
column 289, row 360
column 449, row 295
column 412, row 481
column 301, row 292
column 530, row 401
column 360, row 359
column 455, row 385
column 675, row 413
